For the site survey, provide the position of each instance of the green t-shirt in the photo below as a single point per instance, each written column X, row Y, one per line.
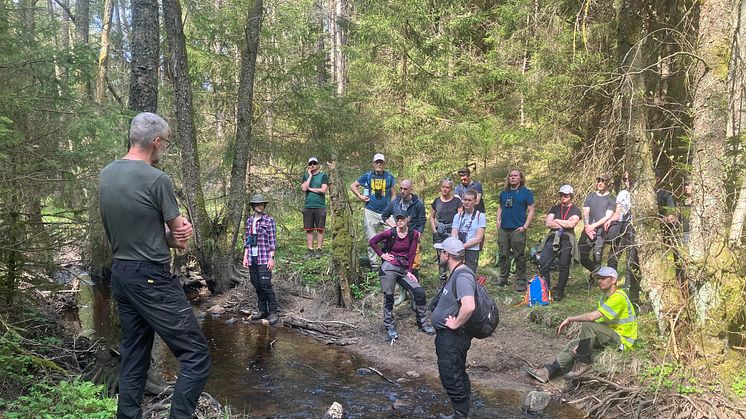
column 136, row 200
column 313, row 199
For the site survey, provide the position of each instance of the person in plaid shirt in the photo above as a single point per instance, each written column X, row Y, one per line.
column 259, row 257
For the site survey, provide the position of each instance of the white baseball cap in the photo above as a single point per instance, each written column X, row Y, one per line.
column 605, row 272
column 451, row 245
column 313, row 159
column 566, row 189
column 377, row 157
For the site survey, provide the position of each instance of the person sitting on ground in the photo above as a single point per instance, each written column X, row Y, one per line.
column 612, row 324
column 444, row 208
column 560, row 243
column 315, row 183
column 259, row 257
column 397, row 248
column 468, row 227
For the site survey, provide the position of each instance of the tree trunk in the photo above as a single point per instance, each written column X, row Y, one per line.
column 219, row 265
column 82, row 21
column 656, row 280
column 144, row 66
column 340, row 40
column 318, row 7
column 737, row 112
column 103, row 57
column 185, row 132
column 345, row 262
column 718, row 285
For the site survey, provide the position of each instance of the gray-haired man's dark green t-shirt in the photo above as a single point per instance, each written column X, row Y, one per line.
column 136, row 199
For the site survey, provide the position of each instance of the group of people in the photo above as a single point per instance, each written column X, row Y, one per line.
column 142, row 221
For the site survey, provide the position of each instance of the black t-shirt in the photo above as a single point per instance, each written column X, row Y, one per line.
column 445, row 211
column 564, row 213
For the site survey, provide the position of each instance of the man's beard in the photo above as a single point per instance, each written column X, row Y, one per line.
column 442, row 263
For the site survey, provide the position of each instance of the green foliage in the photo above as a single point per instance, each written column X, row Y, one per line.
column 670, row 376
column 67, row 399
column 738, row 386
column 369, row 284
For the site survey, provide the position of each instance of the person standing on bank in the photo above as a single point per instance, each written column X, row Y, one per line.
column 598, row 207
column 451, row 312
column 377, row 194
column 514, row 216
column 315, row 184
column 259, row 257
column 560, row 242
column 621, row 234
column 398, row 253
column 467, row 183
column 443, row 209
column 469, row 228
column 136, row 200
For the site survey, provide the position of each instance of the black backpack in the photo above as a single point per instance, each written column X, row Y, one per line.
column 485, row 318
column 391, row 238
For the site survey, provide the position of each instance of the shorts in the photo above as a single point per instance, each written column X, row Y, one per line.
column 314, row 219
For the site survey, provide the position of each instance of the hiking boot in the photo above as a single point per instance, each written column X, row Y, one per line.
column 317, row 253
column 392, row 333
column 310, row 253
column 258, row 315
column 558, row 295
column 273, row 318
column 520, row 288
column 579, row 369
column 541, row 374
column 502, row 282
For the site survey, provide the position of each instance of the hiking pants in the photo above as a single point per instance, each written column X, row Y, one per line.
column 451, row 347
column 512, row 244
column 151, row 300
column 591, row 251
column 261, row 279
column 390, row 276
column 563, row 256
column 600, row 337
column 471, row 259
column 373, row 223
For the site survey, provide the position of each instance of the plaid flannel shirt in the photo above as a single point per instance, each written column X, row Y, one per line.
column 266, row 240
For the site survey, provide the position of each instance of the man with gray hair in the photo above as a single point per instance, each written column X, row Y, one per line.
column 452, row 308
column 136, row 200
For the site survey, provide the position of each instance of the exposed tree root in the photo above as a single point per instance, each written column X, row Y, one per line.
column 602, row 398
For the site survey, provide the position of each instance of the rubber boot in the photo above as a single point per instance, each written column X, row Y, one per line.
column 460, row 411
column 583, row 354
column 422, row 321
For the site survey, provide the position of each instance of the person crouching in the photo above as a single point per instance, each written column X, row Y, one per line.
column 397, row 248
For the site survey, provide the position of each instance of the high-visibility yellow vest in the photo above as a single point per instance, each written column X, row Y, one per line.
column 619, row 314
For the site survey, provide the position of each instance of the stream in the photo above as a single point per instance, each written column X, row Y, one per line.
column 263, row 371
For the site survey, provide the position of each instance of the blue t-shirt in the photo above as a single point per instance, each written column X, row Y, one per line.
column 378, row 188
column 514, row 204
column 470, row 224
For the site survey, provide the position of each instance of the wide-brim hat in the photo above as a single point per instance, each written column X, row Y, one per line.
column 258, row 199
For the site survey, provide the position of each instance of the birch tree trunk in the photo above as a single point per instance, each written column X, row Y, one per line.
column 340, row 40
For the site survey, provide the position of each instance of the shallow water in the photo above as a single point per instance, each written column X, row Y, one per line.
column 266, row 371
column 273, row 371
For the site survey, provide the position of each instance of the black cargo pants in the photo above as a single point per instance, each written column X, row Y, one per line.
column 151, row 300
column 451, row 347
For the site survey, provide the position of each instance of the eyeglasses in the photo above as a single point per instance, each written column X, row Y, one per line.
column 599, row 180
column 379, row 162
column 313, row 163
column 166, row 142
